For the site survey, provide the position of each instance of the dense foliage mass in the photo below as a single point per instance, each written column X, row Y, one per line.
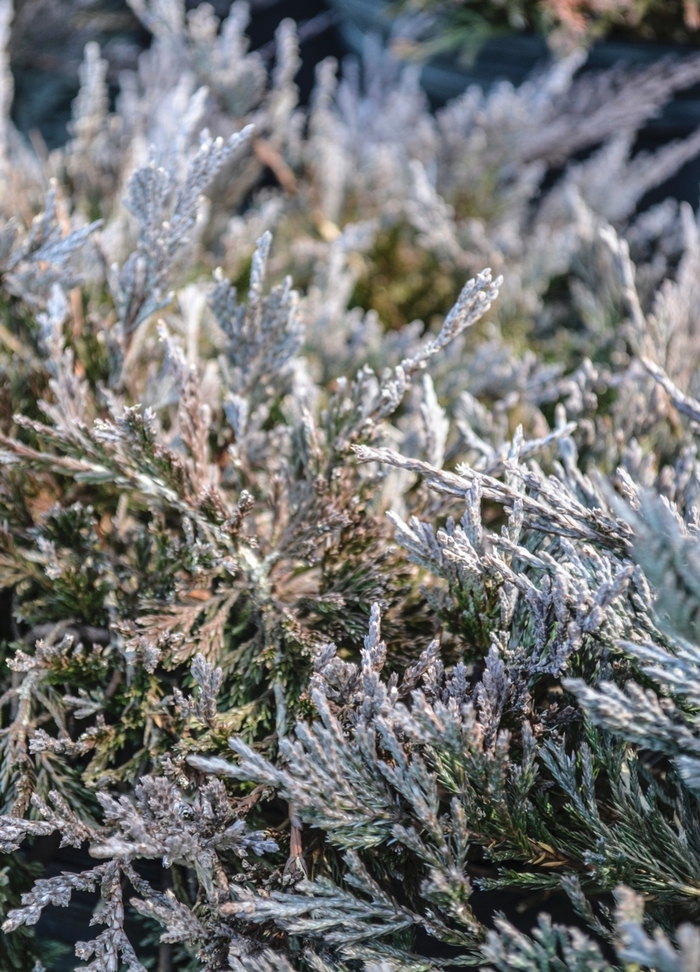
column 466, row 24
column 345, row 618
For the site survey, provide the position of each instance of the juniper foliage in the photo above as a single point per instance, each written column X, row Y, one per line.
column 465, row 24
column 344, row 618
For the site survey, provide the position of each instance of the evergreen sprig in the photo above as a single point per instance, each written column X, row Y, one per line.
column 347, row 619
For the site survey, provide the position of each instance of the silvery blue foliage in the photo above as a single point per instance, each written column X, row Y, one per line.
column 340, row 617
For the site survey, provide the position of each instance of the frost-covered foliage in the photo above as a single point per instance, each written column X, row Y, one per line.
column 345, row 618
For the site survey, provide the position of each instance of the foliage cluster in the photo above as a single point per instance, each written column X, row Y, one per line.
column 567, row 24
column 345, row 618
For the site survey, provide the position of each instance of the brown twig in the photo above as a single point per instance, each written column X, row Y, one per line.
column 246, row 804
column 114, row 683
column 295, row 866
column 270, row 157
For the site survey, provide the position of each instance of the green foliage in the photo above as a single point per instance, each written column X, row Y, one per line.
column 467, row 24
column 348, row 624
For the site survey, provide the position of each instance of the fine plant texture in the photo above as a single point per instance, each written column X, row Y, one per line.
column 350, row 589
column 567, row 24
